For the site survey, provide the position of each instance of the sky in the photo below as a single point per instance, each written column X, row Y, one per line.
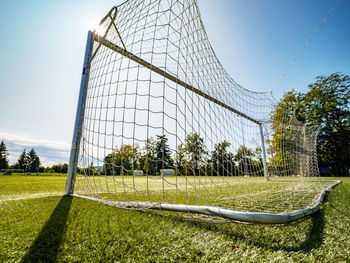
column 42, row 48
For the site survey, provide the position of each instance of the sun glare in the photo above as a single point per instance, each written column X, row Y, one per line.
column 96, row 27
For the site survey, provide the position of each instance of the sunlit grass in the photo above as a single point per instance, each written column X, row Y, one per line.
column 249, row 194
column 19, row 187
column 76, row 230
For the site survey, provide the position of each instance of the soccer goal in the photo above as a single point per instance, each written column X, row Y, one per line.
column 161, row 126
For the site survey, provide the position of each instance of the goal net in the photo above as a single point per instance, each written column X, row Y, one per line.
column 161, row 126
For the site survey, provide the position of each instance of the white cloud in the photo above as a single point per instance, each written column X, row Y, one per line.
column 32, row 142
column 50, row 152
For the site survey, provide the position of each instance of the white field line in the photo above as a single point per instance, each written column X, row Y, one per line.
column 28, row 196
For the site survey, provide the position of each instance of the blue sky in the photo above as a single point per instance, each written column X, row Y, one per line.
column 42, row 48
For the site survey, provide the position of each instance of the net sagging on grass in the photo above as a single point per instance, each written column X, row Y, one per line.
column 163, row 126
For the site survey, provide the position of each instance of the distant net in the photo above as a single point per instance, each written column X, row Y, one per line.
column 163, row 126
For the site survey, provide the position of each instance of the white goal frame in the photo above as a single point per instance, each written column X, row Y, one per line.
column 247, row 217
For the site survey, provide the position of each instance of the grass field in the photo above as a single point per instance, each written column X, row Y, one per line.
column 38, row 224
column 245, row 194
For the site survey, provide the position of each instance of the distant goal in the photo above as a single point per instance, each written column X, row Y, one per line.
column 161, row 126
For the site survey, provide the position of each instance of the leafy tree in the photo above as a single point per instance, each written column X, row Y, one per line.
column 221, row 160
column 191, row 155
column 288, row 109
column 146, row 158
column 325, row 105
column 249, row 161
column 33, row 161
column 162, row 150
column 4, row 163
column 257, row 162
column 181, row 162
column 195, row 150
column 58, row 168
column 121, row 161
column 90, row 170
column 244, row 158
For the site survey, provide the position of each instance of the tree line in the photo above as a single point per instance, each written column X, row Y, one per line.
column 326, row 105
column 190, row 158
column 27, row 161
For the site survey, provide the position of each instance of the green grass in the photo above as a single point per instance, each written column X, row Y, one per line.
column 19, row 187
column 67, row 229
column 250, row 194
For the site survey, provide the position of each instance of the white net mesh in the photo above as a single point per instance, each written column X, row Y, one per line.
column 164, row 123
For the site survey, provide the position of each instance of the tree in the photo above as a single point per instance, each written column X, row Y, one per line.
column 58, row 168
column 22, row 162
column 282, row 147
column 162, row 150
column 195, row 150
column 181, row 161
column 244, row 157
column 41, row 169
column 146, row 158
column 325, row 105
column 4, row 163
column 91, row 170
column 222, row 161
column 121, row 161
column 256, row 162
column 33, row 161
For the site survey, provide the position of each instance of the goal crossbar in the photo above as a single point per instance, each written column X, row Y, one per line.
column 161, row 72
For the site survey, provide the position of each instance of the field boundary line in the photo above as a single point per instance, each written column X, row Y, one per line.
column 31, row 196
